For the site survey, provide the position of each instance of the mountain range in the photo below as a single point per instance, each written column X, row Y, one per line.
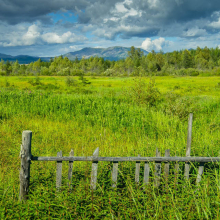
column 110, row 53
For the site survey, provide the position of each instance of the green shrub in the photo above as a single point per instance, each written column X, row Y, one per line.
column 70, row 81
column 144, row 93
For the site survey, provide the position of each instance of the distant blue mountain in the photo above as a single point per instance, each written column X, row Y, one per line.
column 110, row 53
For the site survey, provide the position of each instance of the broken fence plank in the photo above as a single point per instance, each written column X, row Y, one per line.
column 146, row 174
column 114, row 174
column 137, row 171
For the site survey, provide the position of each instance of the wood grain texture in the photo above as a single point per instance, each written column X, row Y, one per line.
column 94, row 173
column 122, row 159
column 188, row 146
column 59, row 171
column 25, row 156
column 137, row 171
column 114, row 174
column 146, row 173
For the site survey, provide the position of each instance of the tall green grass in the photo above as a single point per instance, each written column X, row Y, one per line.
column 112, row 120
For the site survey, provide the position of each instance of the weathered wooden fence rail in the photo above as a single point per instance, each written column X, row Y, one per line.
column 26, row 158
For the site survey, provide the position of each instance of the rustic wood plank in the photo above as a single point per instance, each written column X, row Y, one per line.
column 146, row 174
column 200, row 172
column 166, row 168
column 137, row 171
column 70, row 170
column 122, row 159
column 188, row 147
column 25, row 156
column 114, row 174
column 157, row 173
column 94, row 170
column 59, row 171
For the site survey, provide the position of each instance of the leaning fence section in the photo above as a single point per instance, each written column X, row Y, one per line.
column 26, row 158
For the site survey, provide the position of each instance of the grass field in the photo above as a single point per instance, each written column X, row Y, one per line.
column 123, row 117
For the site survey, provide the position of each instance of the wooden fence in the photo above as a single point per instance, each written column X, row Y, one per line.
column 26, row 158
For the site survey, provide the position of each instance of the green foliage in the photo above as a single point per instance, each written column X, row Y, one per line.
column 183, row 63
column 70, row 81
column 35, row 82
column 107, row 118
column 83, row 80
column 144, row 93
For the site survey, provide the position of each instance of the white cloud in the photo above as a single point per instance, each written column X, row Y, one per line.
column 150, row 45
column 194, row 32
column 215, row 24
column 31, row 36
column 54, row 38
column 34, row 34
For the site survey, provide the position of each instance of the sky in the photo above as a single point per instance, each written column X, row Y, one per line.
column 54, row 27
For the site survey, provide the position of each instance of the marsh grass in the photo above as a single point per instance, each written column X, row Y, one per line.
column 70, row 118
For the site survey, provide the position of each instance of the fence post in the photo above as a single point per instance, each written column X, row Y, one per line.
column 59, row 171
column 114, row 174
column 94, row 170
column 188, row 147
column 137, row 171
column 25, row 156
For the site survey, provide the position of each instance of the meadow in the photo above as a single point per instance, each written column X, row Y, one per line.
column 123, row 116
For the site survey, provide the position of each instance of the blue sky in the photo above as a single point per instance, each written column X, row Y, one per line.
column 54, row 27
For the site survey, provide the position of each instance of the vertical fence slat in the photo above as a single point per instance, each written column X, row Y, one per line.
column 200, row 172
column 94, row 170
column 137, row 171
column 25, row 156
column 188, row 147
column 166, row 168
column 157, row 171
column 114, row 174
column 59, row 171
column 70, row 170
column 146, row 174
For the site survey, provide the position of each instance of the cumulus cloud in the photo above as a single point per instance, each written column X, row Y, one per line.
column 194, row 32
column 68, row 37
column 106, row 20
column 35, row 35
column 156, row 44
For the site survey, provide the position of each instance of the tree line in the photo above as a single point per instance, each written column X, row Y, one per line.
column 185, row 62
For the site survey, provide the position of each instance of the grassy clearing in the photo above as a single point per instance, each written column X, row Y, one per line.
column 104, row 114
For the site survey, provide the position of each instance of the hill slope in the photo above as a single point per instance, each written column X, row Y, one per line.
column 110, row 53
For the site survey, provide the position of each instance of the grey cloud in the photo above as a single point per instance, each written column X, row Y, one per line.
column 132, row 18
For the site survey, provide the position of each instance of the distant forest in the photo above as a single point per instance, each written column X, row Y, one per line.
column 192, row 62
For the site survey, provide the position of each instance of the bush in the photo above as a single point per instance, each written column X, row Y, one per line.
column 144, row 93
column 35, row 82
column 70, row 81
